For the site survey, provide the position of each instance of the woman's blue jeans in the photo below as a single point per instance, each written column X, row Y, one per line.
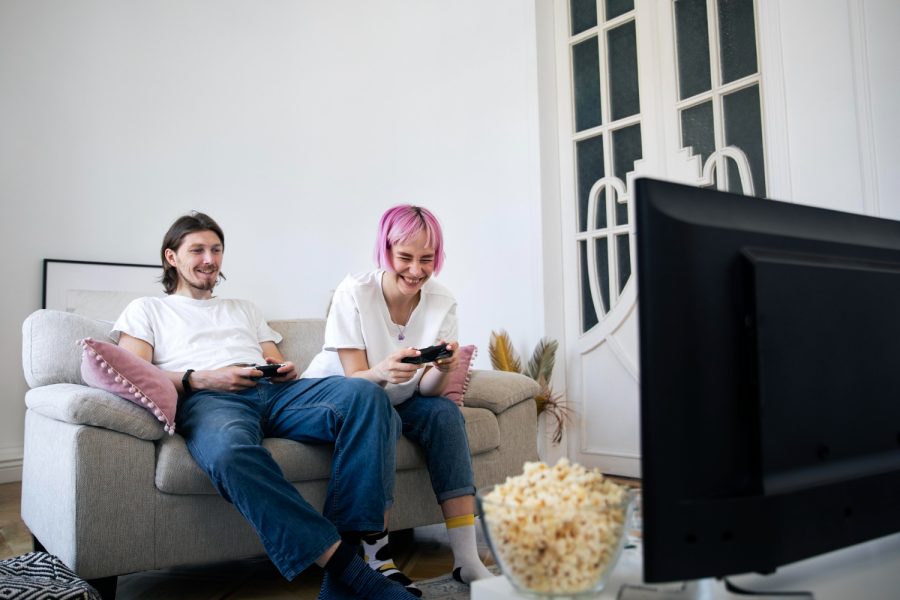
column 437, row 425
column 224, row 433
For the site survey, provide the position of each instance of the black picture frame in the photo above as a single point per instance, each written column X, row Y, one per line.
column 96, row 289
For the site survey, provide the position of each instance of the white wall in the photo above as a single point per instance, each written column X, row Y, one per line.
column 840, row 96
column 294, row 124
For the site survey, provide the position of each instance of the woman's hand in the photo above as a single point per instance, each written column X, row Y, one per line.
column 392, row 370
column 448, row 364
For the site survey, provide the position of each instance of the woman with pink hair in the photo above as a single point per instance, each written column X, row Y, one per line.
column 377, row 319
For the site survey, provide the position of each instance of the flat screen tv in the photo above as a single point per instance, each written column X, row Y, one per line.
column 770, row 380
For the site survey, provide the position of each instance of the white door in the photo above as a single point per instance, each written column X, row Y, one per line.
column 646, row 87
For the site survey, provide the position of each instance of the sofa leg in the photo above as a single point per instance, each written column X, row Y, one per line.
column 106, row 586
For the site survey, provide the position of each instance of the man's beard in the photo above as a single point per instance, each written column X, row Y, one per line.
column 205, row 286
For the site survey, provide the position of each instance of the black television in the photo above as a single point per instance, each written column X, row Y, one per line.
column 770, row 380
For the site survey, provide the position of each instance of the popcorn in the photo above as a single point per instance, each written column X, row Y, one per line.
column 555, row 528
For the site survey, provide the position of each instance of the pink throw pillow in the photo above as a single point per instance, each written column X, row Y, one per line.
column 108, row 367
column 458, row 380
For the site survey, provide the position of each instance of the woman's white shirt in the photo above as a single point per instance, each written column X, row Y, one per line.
column 359, row 319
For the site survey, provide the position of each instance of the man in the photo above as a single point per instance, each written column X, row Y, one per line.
column 205, row 344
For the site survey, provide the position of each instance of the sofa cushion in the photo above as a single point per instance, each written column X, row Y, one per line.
column 177, row 473
column 108, row 367
column 81, row 405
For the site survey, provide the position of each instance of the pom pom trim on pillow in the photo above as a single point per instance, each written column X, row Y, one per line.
column 116, row 382
column 458, row 382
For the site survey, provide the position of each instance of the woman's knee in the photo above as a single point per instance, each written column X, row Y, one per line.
column 445, row 412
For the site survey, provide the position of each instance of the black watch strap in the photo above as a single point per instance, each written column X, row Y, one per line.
column 186, row 383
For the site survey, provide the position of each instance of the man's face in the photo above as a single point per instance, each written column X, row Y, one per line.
column 197, row 260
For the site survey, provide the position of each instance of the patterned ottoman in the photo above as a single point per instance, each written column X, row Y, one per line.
column 41, row 576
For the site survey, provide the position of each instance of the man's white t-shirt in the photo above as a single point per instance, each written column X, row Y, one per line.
column 359, row 318
column 197, row 334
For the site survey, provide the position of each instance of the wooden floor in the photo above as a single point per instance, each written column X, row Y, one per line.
column 422, row 553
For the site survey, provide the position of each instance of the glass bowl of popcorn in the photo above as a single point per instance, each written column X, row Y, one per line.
column 556, row 531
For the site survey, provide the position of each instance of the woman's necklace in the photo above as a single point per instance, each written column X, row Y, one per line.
column 393, row 312
column 401, row 329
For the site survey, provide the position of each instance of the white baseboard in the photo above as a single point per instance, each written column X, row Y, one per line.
column 11, row 464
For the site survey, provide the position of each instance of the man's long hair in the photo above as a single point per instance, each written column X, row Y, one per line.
column 190, row 223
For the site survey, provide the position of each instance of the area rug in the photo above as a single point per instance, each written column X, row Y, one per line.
column 447, row 588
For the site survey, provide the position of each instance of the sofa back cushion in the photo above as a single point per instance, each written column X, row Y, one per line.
column 51, row 354
column 303, row 339
column 50, row 349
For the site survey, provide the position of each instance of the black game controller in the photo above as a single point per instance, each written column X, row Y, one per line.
column 268, row 370
column 429, row 354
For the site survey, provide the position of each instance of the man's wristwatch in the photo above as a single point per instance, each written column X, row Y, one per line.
column 186, row 383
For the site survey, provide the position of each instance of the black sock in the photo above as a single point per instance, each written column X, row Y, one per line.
column 348, row 576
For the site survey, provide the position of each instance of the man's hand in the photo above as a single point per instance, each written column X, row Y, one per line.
column 226, row 379
column 287, row 372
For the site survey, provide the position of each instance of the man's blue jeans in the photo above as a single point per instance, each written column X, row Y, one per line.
column 437, row 425
column 224, row 433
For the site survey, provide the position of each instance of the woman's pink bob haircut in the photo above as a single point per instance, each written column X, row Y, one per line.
column 402, row 223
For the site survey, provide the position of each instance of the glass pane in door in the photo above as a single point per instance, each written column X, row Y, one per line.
column 626, row 150
column 601, row 249
column 589, row 163
column 614, row 8
column 586, row 73
column 583, row 15
column 623, row 71
column 697, row 130
column 623, row 255
column 588, row 314
column 743, row 128
column 737, row 38
column 692, row 47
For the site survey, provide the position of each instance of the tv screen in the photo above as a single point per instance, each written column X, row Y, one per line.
column 770, row 380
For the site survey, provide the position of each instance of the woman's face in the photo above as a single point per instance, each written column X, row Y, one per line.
column 413, row 264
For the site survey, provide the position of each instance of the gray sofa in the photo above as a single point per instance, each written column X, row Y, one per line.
column 105, row 490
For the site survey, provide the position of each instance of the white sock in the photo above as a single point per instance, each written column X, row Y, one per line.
column 377, row 552
column 467, row 566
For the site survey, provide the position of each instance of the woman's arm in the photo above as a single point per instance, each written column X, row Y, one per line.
column 390, row 370
column 434, row 380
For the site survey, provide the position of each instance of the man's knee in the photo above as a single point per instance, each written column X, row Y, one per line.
column 369, row 401
column 366, row 393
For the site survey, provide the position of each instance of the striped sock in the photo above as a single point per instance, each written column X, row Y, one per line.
column 377, row 552
column 467, row 566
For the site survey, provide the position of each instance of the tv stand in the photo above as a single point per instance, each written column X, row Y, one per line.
column 867, row 570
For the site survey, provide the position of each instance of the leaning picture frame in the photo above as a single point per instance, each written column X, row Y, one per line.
column 98, row 290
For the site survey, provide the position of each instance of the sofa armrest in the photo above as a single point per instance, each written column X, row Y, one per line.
column 499, row 390
column 82, row 405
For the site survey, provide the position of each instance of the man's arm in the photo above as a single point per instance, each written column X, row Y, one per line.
column 231, row 379
column 142, row 349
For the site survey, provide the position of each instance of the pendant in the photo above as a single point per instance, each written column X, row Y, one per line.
column 401, row 337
